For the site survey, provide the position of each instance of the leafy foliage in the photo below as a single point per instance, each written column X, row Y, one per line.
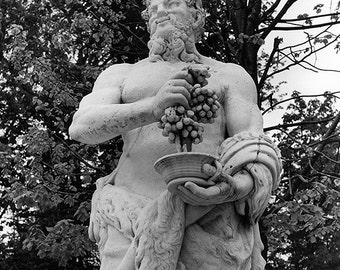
column 51, row 52
column 304, row 220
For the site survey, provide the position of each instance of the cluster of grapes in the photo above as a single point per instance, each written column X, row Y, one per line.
column 181, row 126
column 204, row 104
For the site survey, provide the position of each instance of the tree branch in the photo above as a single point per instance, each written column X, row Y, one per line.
column 309, row 39
column 295, row 62
column 77, row 156
column 120, row 25
column 303, row 123
column 276, row 44
column 279, row 16
column 301, row 96
column 331, row 139
column 270, row 11
column 327, row 157
column 236, row 9
column 309, row 17
column 321, row 173
column 302, row 27
column 319, row 150
column 320, row 69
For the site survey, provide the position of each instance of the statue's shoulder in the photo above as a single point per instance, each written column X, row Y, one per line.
column 117, row 68
column 125, row 68
column 225, row 69
column 116, row 72
column 234, row 76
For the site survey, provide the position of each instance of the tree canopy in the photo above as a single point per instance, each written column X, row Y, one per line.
column 52, row 51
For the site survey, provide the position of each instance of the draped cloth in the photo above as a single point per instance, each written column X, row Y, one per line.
column 223, row 236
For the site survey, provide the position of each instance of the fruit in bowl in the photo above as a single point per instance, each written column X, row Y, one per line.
column 179, row 168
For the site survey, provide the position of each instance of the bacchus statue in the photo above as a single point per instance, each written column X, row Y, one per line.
column 136, row 222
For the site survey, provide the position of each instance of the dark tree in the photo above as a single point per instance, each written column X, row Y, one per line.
column 50, row 55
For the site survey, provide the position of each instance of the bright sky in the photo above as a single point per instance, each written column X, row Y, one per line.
column 304, row 81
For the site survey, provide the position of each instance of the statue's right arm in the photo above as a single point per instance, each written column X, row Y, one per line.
column 102, row 116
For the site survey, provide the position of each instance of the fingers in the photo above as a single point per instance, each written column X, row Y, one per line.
column 175, row 93
column 221, row 192
column 204, row 193
column 180, row 100
column 227, row 191
column 185, row 75
column 181, row 87
column 175, row 97
column 186, row 196
column 181, row 82
column 196, row 195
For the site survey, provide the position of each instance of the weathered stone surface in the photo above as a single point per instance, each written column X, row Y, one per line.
column 136, row 221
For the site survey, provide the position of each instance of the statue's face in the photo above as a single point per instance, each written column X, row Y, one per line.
column 163, row 13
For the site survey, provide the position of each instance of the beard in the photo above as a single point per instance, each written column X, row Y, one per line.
column 174, row 44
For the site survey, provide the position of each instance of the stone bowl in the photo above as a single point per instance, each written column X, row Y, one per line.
column 179, row 168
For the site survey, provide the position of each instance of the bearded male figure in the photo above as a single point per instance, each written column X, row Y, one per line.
column 136, row 222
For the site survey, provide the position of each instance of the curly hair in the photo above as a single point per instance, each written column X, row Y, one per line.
column 194, row 5
column 191, row 3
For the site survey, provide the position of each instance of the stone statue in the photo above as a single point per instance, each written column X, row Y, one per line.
column 136, row 222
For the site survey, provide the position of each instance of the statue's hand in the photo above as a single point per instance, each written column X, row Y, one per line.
column 176, row 91
column 226, row 189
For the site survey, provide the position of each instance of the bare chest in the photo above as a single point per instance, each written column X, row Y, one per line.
column 145, row 80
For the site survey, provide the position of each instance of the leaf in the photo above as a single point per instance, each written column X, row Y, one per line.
column 49, row 229
column 313, row 239
column 318, row 6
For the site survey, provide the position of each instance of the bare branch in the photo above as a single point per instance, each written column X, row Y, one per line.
column 312, row 161
column 270, row 11
column 307, row 18
column 279, row 16
column 276, row 44
column 303, row 59
column 331, row 139
column 329, row 132
column 302, row 27
column 296, row 61
column 303, row 123
column 308, row 68
column 301, row 96
column 309, row 39
column 300, row 177
column 320, row 69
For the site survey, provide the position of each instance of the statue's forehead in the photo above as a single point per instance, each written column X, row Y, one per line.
column 157, row 2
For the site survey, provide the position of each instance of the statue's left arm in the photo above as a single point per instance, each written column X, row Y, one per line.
column 250, row 161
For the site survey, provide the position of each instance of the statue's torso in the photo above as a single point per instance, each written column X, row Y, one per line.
column 143, row 146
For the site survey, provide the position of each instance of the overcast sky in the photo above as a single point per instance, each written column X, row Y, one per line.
column 297, row 78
